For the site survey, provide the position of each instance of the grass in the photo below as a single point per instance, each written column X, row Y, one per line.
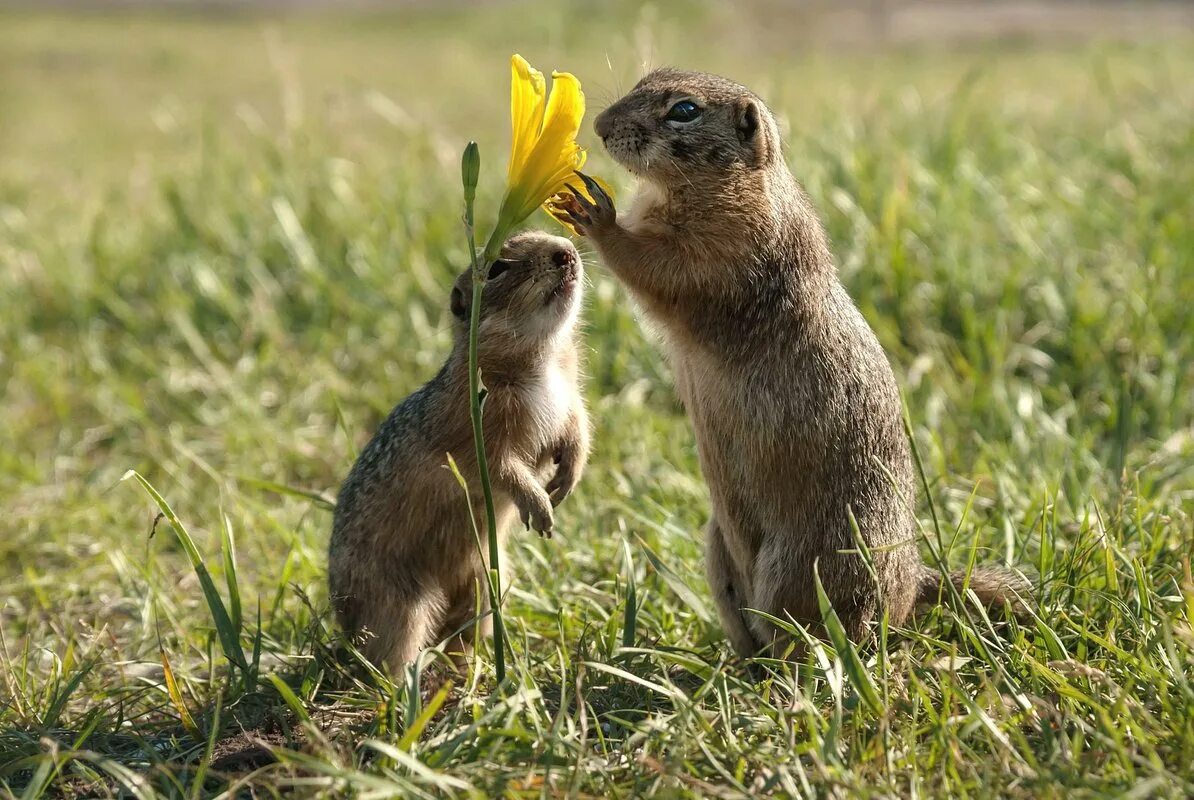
column 225, row 244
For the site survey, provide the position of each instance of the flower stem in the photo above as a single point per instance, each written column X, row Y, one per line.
column 469, row 169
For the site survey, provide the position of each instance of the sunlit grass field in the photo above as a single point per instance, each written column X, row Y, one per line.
column 226, row 245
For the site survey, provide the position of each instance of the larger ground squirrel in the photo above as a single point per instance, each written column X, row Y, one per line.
column 796, row 411
column 403, row 564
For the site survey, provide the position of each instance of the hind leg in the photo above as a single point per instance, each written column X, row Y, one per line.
column 398, row 628
column 785, row 588
column 785, row 593
column 729, row 592
column 767, row 596
column 467, row 617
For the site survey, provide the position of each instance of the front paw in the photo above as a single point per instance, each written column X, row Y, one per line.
column 536, row 513
column 563, row 482
column 589, row 214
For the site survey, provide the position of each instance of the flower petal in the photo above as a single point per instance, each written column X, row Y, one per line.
column 565, row 108
column 528, row 91
column 556, row 149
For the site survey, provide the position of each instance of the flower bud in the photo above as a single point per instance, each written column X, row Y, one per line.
column 470, row 171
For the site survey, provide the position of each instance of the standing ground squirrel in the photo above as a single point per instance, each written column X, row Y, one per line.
column 403, row 563
column 796, row 411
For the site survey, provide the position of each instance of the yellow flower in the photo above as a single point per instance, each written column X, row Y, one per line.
column 544, row 155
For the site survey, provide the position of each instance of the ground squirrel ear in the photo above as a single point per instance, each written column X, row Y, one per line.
column 457, row 304
column 749, row 124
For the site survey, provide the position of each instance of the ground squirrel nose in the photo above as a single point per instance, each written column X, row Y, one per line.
column 602, row 126
column 562, row 257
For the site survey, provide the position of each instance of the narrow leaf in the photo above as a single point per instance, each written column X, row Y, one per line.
column 855, row 670
column 290, row 698
column 629, row 622
column 176, row 696
column 415, row 729
column 230, row 574
column 228, row 635
column 55, row 710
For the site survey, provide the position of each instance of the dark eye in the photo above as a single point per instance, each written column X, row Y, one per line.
column 684, row 111
column 499, row 268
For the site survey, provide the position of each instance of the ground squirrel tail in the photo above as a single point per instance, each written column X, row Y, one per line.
column 996, row 587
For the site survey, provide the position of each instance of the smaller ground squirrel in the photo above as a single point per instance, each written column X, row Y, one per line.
column 796, row 411
column 403, row 565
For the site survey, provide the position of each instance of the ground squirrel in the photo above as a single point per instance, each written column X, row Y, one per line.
column 403, row 564
column 796, row 410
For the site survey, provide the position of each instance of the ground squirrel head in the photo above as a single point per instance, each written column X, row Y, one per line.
column 532, row 293
column 677, row 126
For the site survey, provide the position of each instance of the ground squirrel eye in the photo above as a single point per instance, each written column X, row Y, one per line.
column 459, row 309
column 684, row 112
column 499, row 268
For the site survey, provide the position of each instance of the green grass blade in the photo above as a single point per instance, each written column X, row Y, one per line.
column 63, row 695
column 205, row 760
column 320, row 499
column 415, row 729
column 677, row 584
column 230, row 572
column 856, row 671
column 630, row 617
column 37, row 784
column 228, row 635
column 290, row 698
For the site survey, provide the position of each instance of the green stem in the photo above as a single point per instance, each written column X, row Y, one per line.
column 493, row 247
column 480, row 268
column 476, row 398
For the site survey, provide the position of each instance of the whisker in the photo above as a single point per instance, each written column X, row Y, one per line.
column 672, row 161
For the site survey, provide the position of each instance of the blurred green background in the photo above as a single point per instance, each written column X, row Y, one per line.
column 226, row 238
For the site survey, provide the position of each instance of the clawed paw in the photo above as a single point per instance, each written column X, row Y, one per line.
column 561, row 485
column 585, row 214
column 541, row 520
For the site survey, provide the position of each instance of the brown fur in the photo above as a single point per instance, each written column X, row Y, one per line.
column 796, row 411
column 403, row 565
